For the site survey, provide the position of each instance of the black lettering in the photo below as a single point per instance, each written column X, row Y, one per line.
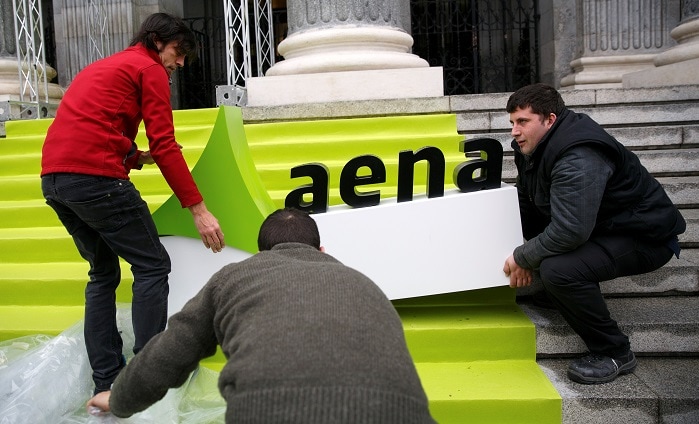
column 349, row 181
column 490, row 165
column 406, row 172
column 319, row 188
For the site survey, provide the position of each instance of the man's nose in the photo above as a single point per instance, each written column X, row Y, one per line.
column 515, row 130
column 180, row 61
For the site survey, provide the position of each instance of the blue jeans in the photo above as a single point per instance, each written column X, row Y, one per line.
column 108, row 219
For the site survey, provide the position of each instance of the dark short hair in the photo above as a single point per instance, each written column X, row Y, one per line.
column 166, row 28
column 543, row 99
column 288, row 225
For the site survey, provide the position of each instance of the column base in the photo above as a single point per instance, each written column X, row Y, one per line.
column 345, row 86
column 11, row 90
column 604, row 71
column 682, row 73
column 675, row 66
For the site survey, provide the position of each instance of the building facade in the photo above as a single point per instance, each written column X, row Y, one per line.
column 382, row 48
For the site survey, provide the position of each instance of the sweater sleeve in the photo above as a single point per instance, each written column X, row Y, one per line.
column 157, row 118
column 578, row 182
column 167, row 360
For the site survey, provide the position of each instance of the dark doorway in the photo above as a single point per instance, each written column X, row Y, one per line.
column 484, row 46
column 198, row 80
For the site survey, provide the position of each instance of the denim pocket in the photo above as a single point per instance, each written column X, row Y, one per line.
column 99, row 202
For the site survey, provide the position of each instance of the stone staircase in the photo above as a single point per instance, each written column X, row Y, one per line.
column 658, row 310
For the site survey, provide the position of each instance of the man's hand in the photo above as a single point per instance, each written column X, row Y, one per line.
column 519, row 277
column 99, row 404
column 145, row 158
column 208, row 227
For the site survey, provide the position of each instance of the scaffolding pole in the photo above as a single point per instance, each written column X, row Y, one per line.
column 264, row 35
column 238, row 51
column 97, row 30
column 31, row 60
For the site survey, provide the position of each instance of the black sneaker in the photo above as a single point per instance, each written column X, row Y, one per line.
column 597, row 369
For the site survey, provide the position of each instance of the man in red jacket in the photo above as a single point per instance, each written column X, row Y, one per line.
column 86, row 158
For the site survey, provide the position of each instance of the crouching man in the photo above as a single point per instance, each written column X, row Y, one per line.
column 307, row 340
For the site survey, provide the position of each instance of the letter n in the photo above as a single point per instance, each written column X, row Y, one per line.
column 406, row 172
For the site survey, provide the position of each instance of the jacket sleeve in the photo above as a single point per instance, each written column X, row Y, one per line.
column 157, row 118
column 578, row 181
column 167, row 360
column 533, row 221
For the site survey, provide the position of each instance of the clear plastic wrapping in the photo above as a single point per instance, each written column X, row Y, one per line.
column 48, row 380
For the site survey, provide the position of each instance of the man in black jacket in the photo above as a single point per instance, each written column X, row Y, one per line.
column 590, row 213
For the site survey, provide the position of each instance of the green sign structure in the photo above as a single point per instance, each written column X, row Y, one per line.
column 475, row 351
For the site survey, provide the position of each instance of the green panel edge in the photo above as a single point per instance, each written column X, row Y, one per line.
column 233, row 191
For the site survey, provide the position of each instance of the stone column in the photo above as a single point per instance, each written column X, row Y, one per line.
column 10, row 86
column 618, row 37
column 85, row 34
column 345, row 50
column 678, row 65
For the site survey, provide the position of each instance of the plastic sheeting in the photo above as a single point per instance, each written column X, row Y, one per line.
column 48, row 380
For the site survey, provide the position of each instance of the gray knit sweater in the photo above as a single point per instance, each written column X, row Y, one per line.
column 308, row 340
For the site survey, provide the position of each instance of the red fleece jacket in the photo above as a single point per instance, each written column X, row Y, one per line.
column 98, row 118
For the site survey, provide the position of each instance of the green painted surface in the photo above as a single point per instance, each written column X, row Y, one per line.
column 232, row 189
column 474, row 350
column 277, row 147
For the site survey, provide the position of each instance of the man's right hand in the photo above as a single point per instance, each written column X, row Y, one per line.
column 208, row 227
column 99, row 404
column 519, row 277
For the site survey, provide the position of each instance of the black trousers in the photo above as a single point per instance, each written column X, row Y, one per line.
column 108, row 219
column 572, row 282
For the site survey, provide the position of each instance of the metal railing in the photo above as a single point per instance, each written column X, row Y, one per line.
column 484, row 46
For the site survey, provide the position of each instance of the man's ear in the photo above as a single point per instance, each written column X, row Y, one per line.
column 551, row 119
column 322, row 249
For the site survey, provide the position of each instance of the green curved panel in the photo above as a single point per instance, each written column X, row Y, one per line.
column 232, row 188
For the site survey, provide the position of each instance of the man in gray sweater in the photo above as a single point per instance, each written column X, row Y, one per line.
column 307, row 340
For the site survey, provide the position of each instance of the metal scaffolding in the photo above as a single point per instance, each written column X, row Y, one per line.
column 31, row 60
column 239, row 54
column 97, row 30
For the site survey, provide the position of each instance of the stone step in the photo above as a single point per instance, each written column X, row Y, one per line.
column 661, row 390
column 611, row 108
column 502, row 391
column 658, row 137
column 656, row 326
column 488, row 332
column 28, row 186
column 690, row 238
column 27, row 213
column 677, row 128
column 660, row 163
column 683, row 191
column 24, row 320
column 52, row 283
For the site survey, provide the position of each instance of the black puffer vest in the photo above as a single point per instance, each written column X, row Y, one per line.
column 633, row 203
